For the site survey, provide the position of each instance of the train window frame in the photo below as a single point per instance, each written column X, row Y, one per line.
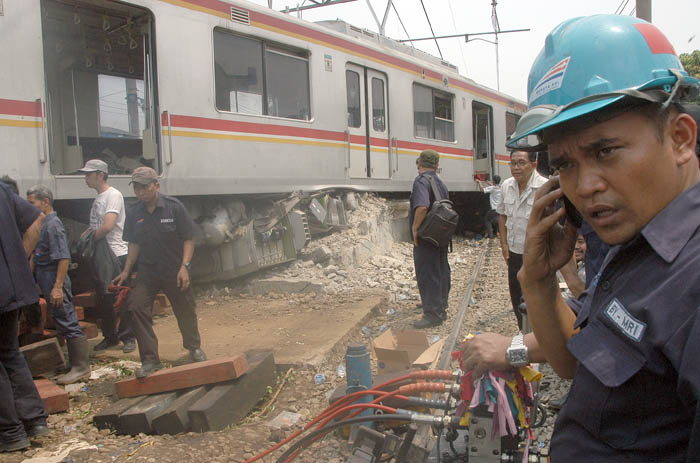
column 359, row 114
column 274, row 49
column 438, row 115
column 378, row 121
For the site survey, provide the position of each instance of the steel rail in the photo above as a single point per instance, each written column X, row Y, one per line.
column 449, row 346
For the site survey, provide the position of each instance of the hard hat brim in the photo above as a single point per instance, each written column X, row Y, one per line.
column 571, row 113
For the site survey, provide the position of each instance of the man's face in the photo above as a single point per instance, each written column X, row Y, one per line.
column 520, row 166
column 618, row 174
column 39, row 204
column 91, row 179
column 146, row 193
column 579, row 248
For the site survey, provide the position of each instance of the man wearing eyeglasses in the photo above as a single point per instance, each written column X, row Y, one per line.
column 514, row 212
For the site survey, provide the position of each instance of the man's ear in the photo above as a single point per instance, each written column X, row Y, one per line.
column 683, row 131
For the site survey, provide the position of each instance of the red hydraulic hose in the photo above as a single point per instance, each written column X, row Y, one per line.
column 423, row 374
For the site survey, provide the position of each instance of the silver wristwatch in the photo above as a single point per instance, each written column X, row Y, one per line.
column 517, row 352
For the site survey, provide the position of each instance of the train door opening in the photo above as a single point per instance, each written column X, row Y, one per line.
column 100, row 85
column 368, row 122
column 482, row 118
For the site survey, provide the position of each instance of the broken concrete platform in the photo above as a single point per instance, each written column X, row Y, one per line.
column 286, row 285
column 300, row 329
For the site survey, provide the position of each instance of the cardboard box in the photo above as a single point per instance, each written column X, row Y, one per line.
column 403, row 350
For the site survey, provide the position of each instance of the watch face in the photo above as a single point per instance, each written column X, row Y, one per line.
column 518, row 356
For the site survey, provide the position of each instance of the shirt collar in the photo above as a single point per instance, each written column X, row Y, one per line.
column 669, row 231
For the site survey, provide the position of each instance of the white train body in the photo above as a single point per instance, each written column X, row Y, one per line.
column 228, row 98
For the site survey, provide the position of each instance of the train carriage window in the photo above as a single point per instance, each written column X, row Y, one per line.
column 352, row 82
column 277, row 85
column 287, row 85
column 433, row 113
column 511, row 123
column 238, row 72
column 378, row 110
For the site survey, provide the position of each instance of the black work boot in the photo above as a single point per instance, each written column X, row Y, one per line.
column 427, row 321
column 198, row 355
column 37, row 430
column 148, row 367
column 105, row 344
column 78, row 353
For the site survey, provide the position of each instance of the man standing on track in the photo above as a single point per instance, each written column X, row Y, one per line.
column 432, row 268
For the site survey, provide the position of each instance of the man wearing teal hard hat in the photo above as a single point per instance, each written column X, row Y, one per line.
column 608, row 100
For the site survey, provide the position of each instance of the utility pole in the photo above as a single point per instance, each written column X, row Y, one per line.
column 644, row 10
column 496, row 29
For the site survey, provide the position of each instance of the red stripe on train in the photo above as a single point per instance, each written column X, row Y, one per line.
column 193, row 122
column 20, row 108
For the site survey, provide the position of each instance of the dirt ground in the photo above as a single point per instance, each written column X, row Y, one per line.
column 231, row 323
column 300, row 329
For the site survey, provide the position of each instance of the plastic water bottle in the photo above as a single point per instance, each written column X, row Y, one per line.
column 391, row 311
column 340, row 371
column 319, row 378
column 365, row 331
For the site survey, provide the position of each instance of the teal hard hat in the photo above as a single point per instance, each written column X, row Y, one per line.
column 589, row 63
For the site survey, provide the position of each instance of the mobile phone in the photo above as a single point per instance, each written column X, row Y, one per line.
column 572, row 214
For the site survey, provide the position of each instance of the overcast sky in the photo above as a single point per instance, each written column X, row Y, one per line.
column 678, row 19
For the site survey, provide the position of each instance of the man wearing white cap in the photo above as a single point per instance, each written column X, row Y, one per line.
column 107, row 218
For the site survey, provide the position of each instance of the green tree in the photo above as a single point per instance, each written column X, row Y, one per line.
column 691, row 63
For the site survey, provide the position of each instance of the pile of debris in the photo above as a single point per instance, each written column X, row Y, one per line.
column 366, row 253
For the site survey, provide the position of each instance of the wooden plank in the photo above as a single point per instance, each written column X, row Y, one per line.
column 85, row 299
column 54, row 397
column 138, row 418
column 175, row 419
column 183, row 377
column 43, row 356
column 89, row 329
column 229, row 402
column 109, row 417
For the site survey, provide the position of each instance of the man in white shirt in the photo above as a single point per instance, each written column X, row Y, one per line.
column 107, row 217
column 493, row 189
column 518, row 196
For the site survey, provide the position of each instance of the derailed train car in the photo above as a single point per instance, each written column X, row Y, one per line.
column 240, row 109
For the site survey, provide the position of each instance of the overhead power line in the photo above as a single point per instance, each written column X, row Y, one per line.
column 401, row 22
column 431, row 28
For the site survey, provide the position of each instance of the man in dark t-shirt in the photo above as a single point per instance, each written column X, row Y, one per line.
column 159, row 232
column 432, row 268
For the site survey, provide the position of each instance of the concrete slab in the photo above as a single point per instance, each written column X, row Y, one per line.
column 299, row 329
column 286, row 285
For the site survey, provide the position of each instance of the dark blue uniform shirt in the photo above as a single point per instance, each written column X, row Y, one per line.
column 422, row 193
column 52, row 245
column 596, row 250
column 635, row 391
column 17, row 287
column 160, row 234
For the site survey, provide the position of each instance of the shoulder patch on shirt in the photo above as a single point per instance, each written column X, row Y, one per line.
column 629, row 325
column 167, row 220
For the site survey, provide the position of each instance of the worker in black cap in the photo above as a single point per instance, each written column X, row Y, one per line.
column 432, row 268
column 159, row 232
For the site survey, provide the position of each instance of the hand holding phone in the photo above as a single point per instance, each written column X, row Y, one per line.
column 572, row 214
